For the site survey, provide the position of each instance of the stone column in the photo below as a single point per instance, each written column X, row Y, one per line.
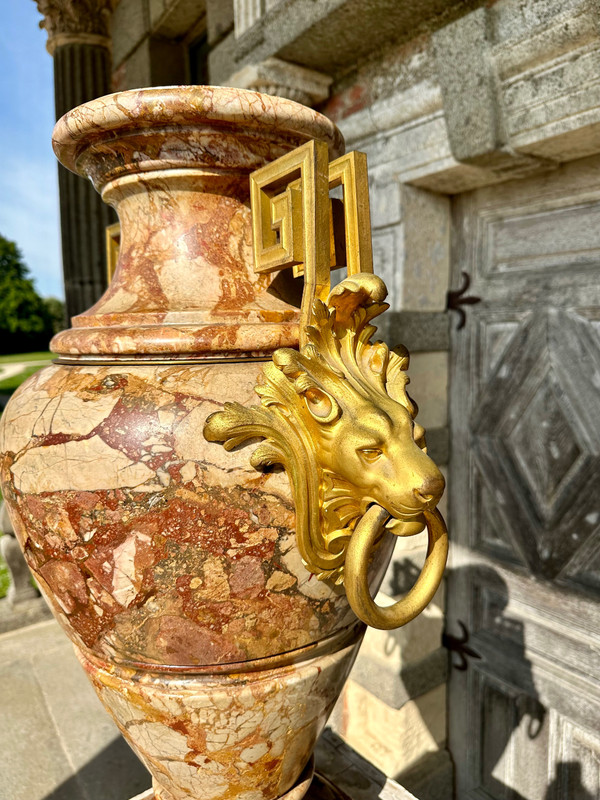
column 79, row 41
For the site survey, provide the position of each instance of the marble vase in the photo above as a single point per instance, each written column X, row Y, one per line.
column 170, row 563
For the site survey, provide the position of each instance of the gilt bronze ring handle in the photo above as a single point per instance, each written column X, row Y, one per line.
column 358, row 555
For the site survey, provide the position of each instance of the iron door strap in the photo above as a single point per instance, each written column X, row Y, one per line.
column 459, row 646
column 458, row 298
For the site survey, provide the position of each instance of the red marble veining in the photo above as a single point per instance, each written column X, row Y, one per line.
column 154, row 545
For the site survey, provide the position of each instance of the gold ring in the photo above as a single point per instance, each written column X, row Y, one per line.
column 356, row 567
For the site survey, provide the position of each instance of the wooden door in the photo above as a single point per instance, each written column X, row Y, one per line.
column 525, row 490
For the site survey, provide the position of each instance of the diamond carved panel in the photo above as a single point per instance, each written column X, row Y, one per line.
column 491, row 534
column 544, row 446
column 536, row 438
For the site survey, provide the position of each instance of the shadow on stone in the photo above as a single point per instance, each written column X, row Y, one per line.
column 430, row 777
column 568, row 782
column 348, row 770
column 116, row 773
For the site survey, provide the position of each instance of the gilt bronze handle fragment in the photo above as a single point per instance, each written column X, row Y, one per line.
column 358, row 556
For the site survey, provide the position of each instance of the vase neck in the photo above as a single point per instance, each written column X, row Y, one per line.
column 186, row 251
column 175, row 164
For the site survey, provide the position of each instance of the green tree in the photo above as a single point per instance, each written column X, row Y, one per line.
column 56, row 309
column 25, row 320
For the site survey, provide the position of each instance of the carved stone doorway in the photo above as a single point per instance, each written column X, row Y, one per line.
column 525, row 494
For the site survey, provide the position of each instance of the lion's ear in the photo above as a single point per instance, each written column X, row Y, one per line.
column 322, row 406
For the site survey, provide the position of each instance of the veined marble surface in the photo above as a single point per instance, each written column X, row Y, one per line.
column 154, row 545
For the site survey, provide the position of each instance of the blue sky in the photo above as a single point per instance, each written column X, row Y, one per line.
column 29, row 212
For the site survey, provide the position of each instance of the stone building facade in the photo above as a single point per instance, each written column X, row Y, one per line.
column 481, row 123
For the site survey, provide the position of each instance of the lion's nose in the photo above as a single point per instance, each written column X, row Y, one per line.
column 431, row 490
column 423, row 498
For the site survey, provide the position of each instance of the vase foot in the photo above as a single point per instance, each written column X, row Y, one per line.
column 297, row 792
column 320, row 788
column 302, row 785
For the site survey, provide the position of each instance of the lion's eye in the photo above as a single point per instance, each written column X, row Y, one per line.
column 370, row 454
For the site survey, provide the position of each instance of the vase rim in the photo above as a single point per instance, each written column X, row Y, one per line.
column 145, row 109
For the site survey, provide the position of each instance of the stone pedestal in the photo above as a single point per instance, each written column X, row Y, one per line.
column 22, row 604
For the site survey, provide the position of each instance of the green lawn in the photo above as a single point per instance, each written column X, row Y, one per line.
column 10, row 384
column 44, row 355
column 4, row 579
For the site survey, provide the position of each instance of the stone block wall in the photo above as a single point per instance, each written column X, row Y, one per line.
column 150, row 40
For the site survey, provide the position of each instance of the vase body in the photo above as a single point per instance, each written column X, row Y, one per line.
column 170, row 562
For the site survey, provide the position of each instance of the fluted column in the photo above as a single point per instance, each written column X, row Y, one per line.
column 79, row 41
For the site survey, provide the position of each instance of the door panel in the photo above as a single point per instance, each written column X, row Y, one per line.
column 525, row 489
